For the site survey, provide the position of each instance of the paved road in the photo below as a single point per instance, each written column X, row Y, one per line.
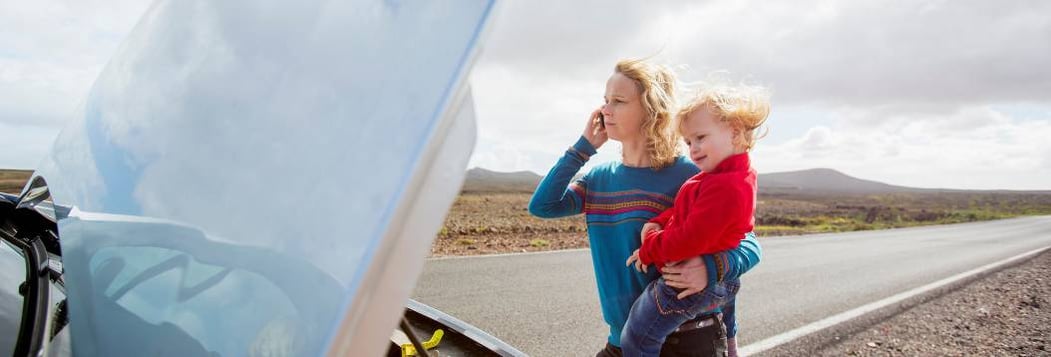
column 546, row 304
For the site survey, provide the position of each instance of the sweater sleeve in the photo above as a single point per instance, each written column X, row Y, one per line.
column 717, row 207
column 731, row 264
column 556, row 196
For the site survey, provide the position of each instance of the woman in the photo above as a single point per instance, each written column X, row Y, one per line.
column 618, row 197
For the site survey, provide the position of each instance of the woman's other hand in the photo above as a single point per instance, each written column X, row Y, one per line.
column 690, row 274
column 595, row 132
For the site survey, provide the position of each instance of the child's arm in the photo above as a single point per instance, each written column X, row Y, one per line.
column 720, row 204
column 662, row 219
column 655, row 224
column 556, row 196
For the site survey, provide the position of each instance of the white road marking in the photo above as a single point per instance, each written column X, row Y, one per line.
column 777, row 340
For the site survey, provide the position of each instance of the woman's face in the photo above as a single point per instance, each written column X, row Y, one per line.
column 623, row 111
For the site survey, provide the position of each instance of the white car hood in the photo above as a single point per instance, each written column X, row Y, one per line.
column 265, row 177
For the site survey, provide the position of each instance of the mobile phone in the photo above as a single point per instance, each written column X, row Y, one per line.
column 601, row 121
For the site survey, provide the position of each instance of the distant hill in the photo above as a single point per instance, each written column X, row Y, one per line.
column 482, row 180
column 807, row 182
column 826, row 181
column 813, row 181
column 829, row 181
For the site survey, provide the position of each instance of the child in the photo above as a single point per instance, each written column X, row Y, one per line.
column 712, row 212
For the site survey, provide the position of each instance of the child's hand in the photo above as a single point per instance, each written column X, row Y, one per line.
column 646, row 228
column 634, row 258
column 595, row 132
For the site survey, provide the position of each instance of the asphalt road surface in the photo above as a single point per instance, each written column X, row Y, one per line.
column 546, row 304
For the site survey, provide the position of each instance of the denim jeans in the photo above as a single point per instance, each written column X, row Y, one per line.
column 659, row 311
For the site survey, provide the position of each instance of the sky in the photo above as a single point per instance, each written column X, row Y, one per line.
column 947, row 94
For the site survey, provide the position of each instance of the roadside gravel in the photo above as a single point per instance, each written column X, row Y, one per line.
column 1004, row 314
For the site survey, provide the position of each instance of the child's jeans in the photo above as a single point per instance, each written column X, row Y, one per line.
column 658, row 312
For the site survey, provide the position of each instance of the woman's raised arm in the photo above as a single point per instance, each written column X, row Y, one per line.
column 556, row 196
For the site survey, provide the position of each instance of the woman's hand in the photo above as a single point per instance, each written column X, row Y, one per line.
column 690, row 274
column 595, row 132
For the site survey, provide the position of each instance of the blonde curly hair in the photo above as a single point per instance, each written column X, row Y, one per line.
column 744, row 107
column 656, row 86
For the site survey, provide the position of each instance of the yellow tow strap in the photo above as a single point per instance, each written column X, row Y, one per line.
column 408, row 350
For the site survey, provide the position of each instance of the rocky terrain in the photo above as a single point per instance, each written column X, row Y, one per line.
column 1004, row 314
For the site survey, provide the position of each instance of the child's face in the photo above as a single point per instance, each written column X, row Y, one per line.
column 623, row 111
column 710, row 139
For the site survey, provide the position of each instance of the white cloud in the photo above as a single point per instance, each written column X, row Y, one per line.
column 911, row 66
column 817, row 138
column 876, row 53
column 895, row 79
column 974, row 147
column 53, row 50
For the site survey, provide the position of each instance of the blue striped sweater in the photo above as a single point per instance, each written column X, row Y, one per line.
column 616, row 201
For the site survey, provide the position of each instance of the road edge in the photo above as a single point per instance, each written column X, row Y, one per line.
column 830, row 330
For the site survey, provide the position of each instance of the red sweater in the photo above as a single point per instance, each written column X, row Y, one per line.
column 712, row 213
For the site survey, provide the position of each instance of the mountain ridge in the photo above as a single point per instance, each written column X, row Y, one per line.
column 808, row 181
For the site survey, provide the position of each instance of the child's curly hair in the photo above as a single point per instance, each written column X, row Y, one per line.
column 743, row 107
column 657, row 87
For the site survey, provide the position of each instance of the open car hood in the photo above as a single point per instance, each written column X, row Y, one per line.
column 263, row 178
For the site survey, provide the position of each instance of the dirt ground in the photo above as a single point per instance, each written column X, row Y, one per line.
column 499, row 222
column 508, row 243
column 494, row 223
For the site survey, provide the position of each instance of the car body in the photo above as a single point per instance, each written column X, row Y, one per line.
column 252, row 178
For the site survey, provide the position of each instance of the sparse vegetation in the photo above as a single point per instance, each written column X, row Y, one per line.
column 787, row 214
column 500, row 222
column 12, row 181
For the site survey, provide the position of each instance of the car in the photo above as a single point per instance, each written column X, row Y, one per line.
column 252, row 178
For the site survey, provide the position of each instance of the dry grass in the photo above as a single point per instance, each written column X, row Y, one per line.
column 785, row 214
column 501, row 223
column 12, row 181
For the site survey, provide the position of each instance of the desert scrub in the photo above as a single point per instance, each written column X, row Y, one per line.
column 481, row 216
column 539, row 243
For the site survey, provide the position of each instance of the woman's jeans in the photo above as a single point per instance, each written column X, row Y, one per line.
column 659, row 311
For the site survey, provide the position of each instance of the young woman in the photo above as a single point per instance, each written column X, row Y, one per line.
column 618, row 197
